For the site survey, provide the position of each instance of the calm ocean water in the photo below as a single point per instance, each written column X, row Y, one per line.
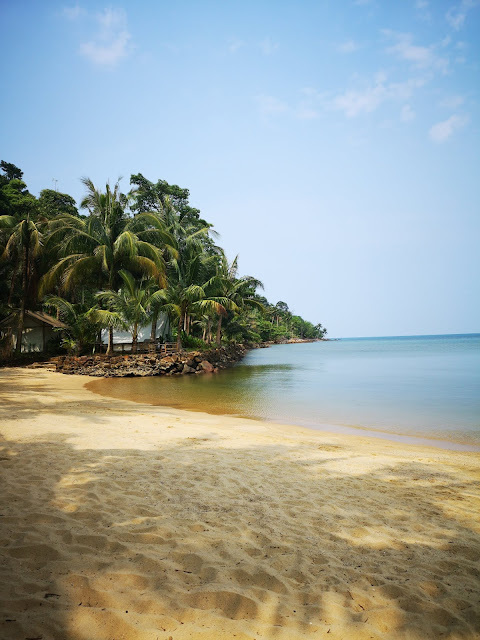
column 418, row 386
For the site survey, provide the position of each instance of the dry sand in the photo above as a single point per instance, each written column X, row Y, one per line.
column 125, row 521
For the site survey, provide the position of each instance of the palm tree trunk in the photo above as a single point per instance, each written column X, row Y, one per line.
column 219, row 331
column 135, row 337
column 209, row 330
column 21, row 318
column 12, row 285
column 153, row 333
column 179, row 332
column 110, row 341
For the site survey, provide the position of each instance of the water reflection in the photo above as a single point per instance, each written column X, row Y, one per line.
column 236, row 391
column 426, row 387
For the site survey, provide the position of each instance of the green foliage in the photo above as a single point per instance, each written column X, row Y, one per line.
column 131, row 259
column 191, row 342
column 52, row 203
column 79, row 318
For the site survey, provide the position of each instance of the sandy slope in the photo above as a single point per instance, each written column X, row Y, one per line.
column 124, row 521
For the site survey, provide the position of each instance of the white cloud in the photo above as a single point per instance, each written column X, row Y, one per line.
column 235, row 44
column 421, row 7
column 452, row 102
column 305, row 112
column 268, row 46
column 111, row 42
column 269, row 105
column 457, row 14
column 441, row 131
column 354, row 102
column 421, row 57
column 74, row 13
column 407, row 114
column 347, row 47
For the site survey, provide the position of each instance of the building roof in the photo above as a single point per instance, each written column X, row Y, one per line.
column 43, row 318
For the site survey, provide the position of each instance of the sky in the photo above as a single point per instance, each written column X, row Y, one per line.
column 334, row 145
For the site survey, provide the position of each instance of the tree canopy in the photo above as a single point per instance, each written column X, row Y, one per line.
column 130, row 257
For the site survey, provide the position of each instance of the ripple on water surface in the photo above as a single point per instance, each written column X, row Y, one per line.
column 426, row 386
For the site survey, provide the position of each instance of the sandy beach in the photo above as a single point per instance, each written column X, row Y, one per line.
column 124, row 521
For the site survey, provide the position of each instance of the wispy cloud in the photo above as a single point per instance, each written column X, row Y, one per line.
column 457, row 14
column 422, row 57
column 354, row 102
column 111, row 42
column 421, row 7
column 442, row 131
column 268, row 46
column 349, row 46
column 452, row 102
column 234, row 44
column 111, row 38
column 74, row 13
column 407, row 114
column 269, row 105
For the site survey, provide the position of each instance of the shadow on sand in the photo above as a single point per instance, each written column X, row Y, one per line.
column 135, row 544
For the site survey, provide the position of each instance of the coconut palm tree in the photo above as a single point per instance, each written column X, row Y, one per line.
column 191, row 256
column 239, row 292
column 184, row 297
column 82, row 330
column 131, row 304
column 24, row 242
column 95, row 250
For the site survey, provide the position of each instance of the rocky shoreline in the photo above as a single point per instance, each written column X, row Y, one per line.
column 144, row 364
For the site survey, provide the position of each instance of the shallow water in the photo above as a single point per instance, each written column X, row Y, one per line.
column 426, row 387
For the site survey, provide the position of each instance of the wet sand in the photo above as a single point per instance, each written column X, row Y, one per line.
column 126, row 521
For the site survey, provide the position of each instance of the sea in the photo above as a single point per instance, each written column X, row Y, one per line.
column 412, row 389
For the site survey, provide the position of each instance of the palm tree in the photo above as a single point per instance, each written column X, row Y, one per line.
column 95, row 250
column 238, row 292
column 191, row 257
column 24, row 244
column 82, row 330
column 131, row 304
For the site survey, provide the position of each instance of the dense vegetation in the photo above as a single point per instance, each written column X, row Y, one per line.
column 129, row 260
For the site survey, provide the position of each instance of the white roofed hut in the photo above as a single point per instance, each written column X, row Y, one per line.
column 38, row 329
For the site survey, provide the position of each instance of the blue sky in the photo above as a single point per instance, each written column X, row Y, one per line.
column 334, row 145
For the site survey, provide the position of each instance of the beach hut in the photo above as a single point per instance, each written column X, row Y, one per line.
column 38, row 329
column 144, row 333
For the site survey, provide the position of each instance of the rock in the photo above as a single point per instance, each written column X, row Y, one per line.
column 207, row 366
column 187, row 369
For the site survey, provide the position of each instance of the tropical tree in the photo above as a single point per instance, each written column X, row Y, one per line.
column 24, row 242
column 53, row 203
column 96, row 249
column 238, row 293
column 80, row 319
column 131, row 304
column 189, row 273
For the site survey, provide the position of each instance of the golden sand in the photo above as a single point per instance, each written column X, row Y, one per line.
column 122, row 521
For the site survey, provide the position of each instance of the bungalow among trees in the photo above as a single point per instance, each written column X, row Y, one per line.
column 38, row 329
